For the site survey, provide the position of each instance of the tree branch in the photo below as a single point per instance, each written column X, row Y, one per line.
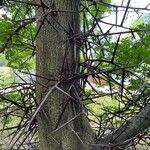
column 121, row 137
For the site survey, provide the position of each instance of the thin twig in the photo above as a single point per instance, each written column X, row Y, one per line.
column 42, row 103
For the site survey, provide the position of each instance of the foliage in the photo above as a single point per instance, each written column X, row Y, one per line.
column 17, row 35
column 119, row 68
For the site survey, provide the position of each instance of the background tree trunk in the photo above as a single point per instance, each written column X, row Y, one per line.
column 57, row 60
column 125, row 134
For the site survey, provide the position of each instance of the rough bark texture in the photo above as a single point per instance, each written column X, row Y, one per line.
column 56, row 61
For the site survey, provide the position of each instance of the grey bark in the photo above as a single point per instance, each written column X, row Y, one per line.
column 57, row 59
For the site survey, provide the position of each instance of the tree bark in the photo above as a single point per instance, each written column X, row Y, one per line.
column 61, row 122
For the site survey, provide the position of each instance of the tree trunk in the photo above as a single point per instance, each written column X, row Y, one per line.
column 61, row 122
